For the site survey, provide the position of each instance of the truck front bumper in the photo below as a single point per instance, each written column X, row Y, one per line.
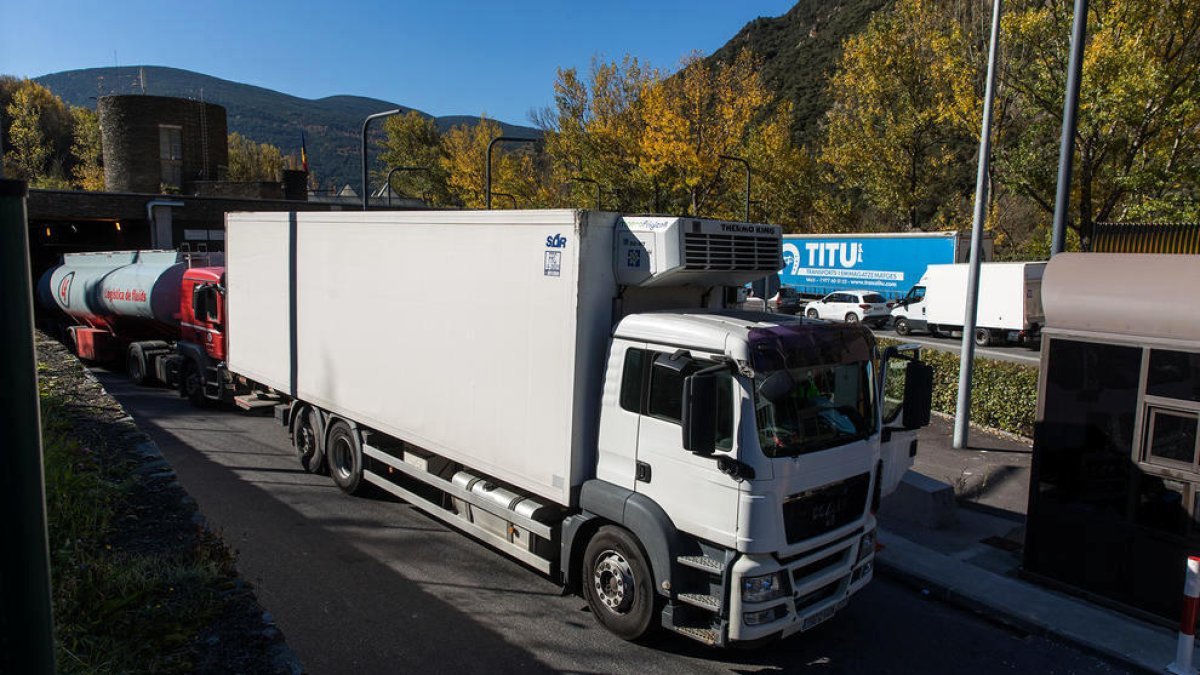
column 818, row 584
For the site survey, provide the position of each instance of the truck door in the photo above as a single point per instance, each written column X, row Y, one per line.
column 208, row 310
column 905, row 409
column 698, row 497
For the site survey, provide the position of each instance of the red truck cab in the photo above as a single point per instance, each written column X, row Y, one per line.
column 202, row 310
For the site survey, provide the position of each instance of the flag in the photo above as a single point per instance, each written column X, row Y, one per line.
column 303, row 153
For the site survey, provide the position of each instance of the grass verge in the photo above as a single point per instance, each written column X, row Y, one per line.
column 129, row 596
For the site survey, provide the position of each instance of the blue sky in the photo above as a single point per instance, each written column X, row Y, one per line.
column 444, row 57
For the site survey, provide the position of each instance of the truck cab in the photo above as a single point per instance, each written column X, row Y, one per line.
column 202, row 333
column 909, row 314
column 767, row 443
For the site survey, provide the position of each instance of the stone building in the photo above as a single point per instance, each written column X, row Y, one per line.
column 156, row 144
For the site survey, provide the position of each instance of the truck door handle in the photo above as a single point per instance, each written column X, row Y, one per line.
column 642, row 472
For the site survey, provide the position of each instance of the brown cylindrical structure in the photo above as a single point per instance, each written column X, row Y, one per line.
column 152, row 142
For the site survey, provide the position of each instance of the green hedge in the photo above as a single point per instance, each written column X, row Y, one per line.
column 1003, row 394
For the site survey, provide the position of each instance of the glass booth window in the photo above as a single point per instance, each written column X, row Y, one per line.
column 1086, row 436
column 1174, row 375
column 1171, row 436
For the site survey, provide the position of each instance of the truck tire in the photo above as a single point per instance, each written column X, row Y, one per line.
column 983, row 337
column 618, row 585
column 136, row 364
column 935, row 331
column 191, row 384
column 902, row 327
column 306, row 440
column 343, row 452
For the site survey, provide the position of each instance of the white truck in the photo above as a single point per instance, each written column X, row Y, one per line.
column 599, row 415
column 1010, row 303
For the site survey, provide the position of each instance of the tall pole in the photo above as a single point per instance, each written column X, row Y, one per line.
column 487, row 166
column 746, row 163
column 26, row 620
column 1066, row 148
column 366, row 123
column 962, row 415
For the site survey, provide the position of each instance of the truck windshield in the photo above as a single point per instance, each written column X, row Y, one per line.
column 827, row 406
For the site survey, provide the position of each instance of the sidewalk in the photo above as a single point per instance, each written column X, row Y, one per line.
column 973, row 562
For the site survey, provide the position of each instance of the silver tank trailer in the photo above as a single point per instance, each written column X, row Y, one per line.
column 95, row 288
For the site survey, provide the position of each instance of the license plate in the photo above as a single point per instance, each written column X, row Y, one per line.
column 822, row 616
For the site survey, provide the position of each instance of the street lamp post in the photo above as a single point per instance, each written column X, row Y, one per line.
column 402, row 168
column 962, row 416
column 487, row 167
column 1066, row 150
column 367, row 122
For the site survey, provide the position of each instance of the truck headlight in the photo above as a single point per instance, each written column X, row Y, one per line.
column 866, row 547
column 764, row 588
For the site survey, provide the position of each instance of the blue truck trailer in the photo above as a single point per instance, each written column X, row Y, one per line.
column 887, row 263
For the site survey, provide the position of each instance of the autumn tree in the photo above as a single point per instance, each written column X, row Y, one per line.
column 514, row 170
column 38, row 136
column 1137, row 144
column 594, row 132
column 86, row 149
column 701, row 112
column 413, row 140
column 904, row 104
column 250, row 161
column 785, row 176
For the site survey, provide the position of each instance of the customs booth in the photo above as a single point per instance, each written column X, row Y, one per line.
column 1114, row 500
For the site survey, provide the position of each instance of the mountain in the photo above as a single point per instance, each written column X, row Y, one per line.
column 799, row 51
column 332, row 125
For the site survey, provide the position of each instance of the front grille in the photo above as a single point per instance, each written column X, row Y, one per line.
column 801, row 573
column 826, row 508
column 821, row 594
column 735, row 252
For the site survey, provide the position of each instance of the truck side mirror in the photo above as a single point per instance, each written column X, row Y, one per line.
column 918, row 395
column 700, row 413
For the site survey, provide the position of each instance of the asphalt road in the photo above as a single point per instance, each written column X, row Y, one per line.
column 1013, row 353
column 375, row 586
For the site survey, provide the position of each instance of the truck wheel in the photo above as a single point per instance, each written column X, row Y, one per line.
column 136, row 365
column 191, row 385
column 618, row 585
column 851, row 317
column 305, row 440
column 344, row 455
column 983, row 337
column 902, row 327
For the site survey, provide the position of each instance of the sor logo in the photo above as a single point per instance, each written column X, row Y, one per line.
column 556, row 241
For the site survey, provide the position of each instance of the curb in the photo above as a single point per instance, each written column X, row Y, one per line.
column 969, row 587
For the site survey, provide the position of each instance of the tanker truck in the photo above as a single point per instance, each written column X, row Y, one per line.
column 136, row 305
column 605, row 416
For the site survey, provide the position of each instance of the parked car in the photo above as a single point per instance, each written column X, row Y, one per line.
column 786, row 301
column 851, row 306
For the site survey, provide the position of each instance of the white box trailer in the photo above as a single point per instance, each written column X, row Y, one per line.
column 569, row 387
column 520, row 303
column 1009, row 309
